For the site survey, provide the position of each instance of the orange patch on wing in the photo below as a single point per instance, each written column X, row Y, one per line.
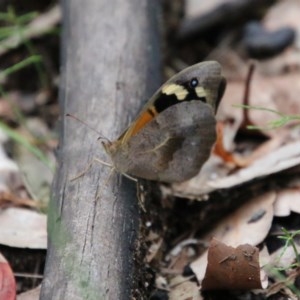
column 145, row 118
column 134, row 128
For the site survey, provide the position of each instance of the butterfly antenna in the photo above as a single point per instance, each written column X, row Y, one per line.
column 101, row 137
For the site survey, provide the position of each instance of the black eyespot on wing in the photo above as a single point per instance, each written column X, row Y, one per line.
column 164, row 101
column 193, row 82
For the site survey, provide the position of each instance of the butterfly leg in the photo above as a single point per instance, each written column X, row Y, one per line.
column 129, row 177
column 113, row 169
column 103, row 162
column 89, row 167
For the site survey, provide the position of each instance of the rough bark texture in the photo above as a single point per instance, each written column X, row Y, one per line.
column 110, row 66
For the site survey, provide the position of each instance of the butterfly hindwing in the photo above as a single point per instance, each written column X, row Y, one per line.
column 177, row 142
column 173, row 135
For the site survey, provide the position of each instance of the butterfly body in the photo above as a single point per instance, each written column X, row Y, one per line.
column 173, row 135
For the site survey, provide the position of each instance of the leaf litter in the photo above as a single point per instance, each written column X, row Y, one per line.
column 28, row 108
column 238, row 252
column 184, row 264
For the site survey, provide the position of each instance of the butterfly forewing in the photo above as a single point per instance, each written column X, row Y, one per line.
column 173, row 135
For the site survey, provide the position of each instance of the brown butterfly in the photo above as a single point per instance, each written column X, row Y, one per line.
column 173, row 135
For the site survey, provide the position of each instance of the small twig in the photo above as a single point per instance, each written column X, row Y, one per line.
column 246, row 101
column 28, row 275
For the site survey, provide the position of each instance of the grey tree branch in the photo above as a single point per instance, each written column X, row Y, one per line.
column 110, row 66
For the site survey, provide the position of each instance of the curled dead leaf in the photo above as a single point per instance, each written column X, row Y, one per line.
column 232, row 268
column 287, row 200
column 8, row 199
column 249, row 224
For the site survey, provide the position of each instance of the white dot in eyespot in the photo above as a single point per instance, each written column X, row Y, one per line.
column 194, row 82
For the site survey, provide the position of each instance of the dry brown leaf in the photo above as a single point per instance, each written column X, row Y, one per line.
column 8, row 199
column 287, row 200
column 282, row 286
column 232, row 268
column 23, row 228
column 194, row 8
column 250, row 224
column 6, row 109
column 38, row 176
column 280, row 159
column 178, row 261
column 10, row 178
column 279, row 93
column 283, row 258
column 184, row 289
column 283, row 13
column 7, row 280
column 282, row 151
column 236, row 160
column 288, row 60
column 213, row 175
column 263, row 150
column 219, row 148
column 153, row 249
column 33, row 294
